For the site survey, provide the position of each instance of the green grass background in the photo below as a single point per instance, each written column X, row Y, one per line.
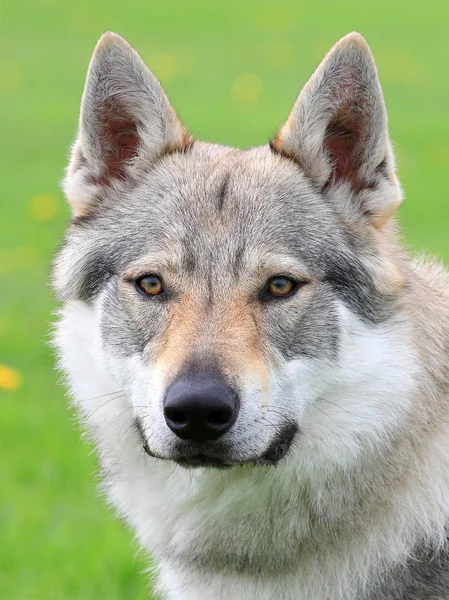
column 233, row 70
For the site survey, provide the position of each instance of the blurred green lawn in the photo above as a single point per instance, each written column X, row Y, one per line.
column 233, row 70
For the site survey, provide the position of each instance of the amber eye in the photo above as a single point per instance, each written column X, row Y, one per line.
column 279, row 287
column 151, row 285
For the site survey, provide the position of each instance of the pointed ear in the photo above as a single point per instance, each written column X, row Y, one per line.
column 337, row 132
column 126, row 123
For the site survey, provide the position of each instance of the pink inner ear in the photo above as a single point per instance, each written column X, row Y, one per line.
column 120, row 141
column 342, row 145
column 347, row 135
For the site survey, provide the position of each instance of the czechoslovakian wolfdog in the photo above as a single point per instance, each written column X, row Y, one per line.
column 262, row 367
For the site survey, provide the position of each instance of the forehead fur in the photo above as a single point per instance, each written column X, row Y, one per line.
column 213, row 210
column 210, row 199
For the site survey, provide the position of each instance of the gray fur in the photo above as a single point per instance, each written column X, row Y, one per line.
column 425, row 576
column 337, row 132
column 126, row 122
column 173, row 210
column 345, row 515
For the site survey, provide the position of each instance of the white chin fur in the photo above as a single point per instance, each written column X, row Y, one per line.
column 179, row 513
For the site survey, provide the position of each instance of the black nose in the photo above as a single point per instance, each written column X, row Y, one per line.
column 200, row 407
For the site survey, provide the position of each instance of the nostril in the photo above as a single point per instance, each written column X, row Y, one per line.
column 176, row 416
column 220, row 417
column 200, row 409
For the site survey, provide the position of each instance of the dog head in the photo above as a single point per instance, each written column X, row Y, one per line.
column 230, row 290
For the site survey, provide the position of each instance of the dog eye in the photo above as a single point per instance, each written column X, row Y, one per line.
column 279, row 287
column 151, row 285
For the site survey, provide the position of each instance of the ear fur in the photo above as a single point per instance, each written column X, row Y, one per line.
column 338, row 133
column 126, row 123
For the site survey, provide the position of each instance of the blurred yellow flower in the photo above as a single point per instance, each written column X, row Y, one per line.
column 163, row 64
column 246, row 88
column 42, row 207
column 10, row 379
column 168, row 65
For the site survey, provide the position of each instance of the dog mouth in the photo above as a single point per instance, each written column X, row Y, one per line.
column 203, row 460
column 208, row 456
column 280, row 446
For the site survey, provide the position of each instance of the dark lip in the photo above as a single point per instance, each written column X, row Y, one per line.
column 278, row 449
column 203, row 460
column 281, row 444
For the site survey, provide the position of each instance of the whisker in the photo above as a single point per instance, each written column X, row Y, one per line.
column 324, row 413
column 269, row 423
column 101, row 396
column 276, row 412
column 341, row 407
column 122, row 435
column 104, row 404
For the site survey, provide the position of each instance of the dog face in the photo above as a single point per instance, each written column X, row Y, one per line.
column 225, row 287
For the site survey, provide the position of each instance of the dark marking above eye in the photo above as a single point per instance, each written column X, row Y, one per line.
column 238, row 260
column 222, row 193
column 188, row 260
